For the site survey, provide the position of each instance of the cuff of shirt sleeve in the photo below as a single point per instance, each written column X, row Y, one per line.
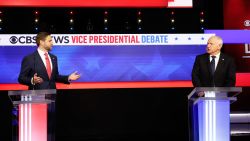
column 32, row 81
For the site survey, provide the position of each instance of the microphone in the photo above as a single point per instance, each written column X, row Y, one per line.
column 34, row 59
column 213, row 68
column 213, row 81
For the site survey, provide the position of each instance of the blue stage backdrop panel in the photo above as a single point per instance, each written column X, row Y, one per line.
column 110, row 63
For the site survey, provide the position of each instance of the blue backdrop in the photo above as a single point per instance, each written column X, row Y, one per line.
column 110, row 63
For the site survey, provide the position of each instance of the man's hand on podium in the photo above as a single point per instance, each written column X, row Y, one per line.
column 200, row 94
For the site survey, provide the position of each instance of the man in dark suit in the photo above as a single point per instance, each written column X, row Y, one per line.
column 214, row 68
column 39, row 70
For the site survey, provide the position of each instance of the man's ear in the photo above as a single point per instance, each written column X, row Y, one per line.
column 220, row 46
column 41, row 42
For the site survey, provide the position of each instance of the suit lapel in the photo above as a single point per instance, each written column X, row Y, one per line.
column 53, row 61
column 208, row 65
column 220, row 63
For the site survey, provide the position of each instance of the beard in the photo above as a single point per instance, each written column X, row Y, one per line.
column 48, row 48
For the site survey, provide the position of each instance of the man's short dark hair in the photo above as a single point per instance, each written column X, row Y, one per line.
column 41, row 36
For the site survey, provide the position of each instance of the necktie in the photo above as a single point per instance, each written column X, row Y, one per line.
column 212, row 63
column 48, row 67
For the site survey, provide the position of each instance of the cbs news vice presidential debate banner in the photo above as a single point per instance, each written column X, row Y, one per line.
column 109, row 57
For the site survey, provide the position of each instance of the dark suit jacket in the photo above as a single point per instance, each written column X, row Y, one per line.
column 224, row 76
column 32, row 64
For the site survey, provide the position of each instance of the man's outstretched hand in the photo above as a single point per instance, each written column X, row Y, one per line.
column 74, row 76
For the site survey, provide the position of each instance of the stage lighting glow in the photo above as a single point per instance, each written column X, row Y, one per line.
column 36, row 28
column 106, row 28
column 36, row 20
column 173, row 28
column 139, row 13
column 172, row 13
column 71, row 12
column 71, row 20
column 202, row 13
column 139, row 20
column 36, row 12
column 202, row 20
column 71, row 28
column 139, row 28
column 105, row 20
column 106, row 12
column 172, row 20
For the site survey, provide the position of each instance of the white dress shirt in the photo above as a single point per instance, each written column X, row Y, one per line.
column 41, row 53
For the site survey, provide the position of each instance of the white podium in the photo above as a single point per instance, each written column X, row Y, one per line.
column 35, row 107
column 210, row 113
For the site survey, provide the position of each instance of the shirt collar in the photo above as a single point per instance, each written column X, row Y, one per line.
column 41, row 52
column 217, row 56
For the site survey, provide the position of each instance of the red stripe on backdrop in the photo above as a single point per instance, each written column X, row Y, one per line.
column 97, row 85
column 242, row 80
column 85, row 3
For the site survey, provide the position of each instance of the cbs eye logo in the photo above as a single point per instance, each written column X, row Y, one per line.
column 247, row 22
column 13, row 39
